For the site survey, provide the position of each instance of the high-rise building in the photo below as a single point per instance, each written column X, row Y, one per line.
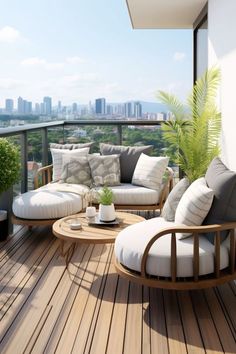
column 37, row 108
column 20, row 105
column 137, row 110
column 100, row 106
column 9, row 105
column 109, row 109
column 47, row 105
column 59, row 107
column 128, row 109
column 74, row 108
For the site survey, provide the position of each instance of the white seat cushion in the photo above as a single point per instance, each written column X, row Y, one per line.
column 48, row 203
column 131, row 242
column 128, row 194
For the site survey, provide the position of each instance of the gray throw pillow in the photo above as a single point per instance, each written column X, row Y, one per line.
column 76, row 170
column 172, row 201
column 223, row 182
column 105, row 170
column 129, row 156
column 70, row 146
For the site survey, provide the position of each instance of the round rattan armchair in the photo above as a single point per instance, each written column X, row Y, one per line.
column 196, row 281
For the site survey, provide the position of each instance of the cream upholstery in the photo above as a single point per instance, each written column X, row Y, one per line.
column 128, row 194
column 131, row 242
column 49, row 203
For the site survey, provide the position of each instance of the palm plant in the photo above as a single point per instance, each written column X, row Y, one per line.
column 193, row 133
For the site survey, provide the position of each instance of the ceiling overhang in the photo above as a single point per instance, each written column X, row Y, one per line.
column 166, row 14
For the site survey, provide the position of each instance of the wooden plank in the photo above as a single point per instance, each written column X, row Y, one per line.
column 146, row 338
column 61, row 304
column 210, row 338
column 76, row 313
column 228, row 299
column 12, row 287
column 221, row 324
column 29, row 307
column 91, row 310
column 159, row 342
column 118, row 324
column 176, row 340
column 13, row 246
column 50, row 340
column 100, row 337
column 190, row 326
column 133, row 333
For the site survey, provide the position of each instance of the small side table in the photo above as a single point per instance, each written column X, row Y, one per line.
column 89, row 234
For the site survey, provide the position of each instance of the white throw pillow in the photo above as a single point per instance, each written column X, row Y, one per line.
column 149, row 171
column 172, row 201
column 57, row 159
column 194, row 205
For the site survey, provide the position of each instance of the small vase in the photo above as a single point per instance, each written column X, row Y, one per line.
column 107, row 212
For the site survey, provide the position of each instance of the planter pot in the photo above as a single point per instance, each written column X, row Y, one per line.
column 6, row 199
column 107, row 212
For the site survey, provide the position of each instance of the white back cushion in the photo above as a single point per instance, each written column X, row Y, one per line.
column 194, row 205
column 149, row 171
column 57, row 159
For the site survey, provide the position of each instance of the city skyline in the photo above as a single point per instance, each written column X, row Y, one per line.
column 100, row 107
column 88, row 50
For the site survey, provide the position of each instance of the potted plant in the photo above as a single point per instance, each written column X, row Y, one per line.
column 9, row 174
column 193, row 133
column 106, row 206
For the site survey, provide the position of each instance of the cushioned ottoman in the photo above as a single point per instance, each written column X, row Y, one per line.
column 50, row 202
column 131, row 242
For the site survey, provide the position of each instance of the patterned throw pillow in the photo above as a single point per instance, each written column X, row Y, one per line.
column 194, row 205
column 129, row 156
column 171, row 203
column 105, row 170
column 57, row 159
column 149, row 171
column 76, row 170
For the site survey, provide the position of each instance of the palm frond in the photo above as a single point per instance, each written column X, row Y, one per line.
column 173, row 104
column 195, row 140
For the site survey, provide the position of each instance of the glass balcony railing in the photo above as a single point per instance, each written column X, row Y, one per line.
column 33, row 140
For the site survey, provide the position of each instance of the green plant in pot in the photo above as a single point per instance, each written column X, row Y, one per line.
column 106, row 206
column 193, row 133
column 9, row 174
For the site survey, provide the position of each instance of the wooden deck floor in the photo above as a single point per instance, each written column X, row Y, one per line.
column 89, row 309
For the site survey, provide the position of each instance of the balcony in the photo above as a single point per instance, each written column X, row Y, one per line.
column 88, row 308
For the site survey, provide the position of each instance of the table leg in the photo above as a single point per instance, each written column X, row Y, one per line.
column 67, row 254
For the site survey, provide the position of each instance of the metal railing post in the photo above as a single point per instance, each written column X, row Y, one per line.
column 119, row 134
column 24, row 159
column 44, row 146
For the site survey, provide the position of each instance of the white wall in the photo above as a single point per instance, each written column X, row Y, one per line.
column 222, row 51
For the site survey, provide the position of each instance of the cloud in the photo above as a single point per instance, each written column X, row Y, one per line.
column 10, row 83
column 179, row 56
column 81, row 79
column 35, row 61
column 9, row 34
column 75, row 60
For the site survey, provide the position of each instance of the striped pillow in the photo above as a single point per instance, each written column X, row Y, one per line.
column 194, row 205
column 57, row 159
column 149, row 171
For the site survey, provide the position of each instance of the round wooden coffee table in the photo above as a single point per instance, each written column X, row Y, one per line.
column 89, row 234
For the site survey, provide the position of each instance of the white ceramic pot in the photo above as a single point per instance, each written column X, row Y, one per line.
column 107, row 212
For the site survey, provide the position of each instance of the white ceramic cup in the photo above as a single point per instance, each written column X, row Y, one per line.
column 90, row 212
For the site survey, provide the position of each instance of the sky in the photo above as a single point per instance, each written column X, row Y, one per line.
column 79, row 50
